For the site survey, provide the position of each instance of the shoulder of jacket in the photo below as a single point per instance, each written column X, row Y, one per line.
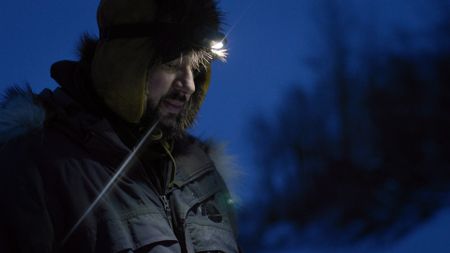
column 20, row 113
column 225, row 164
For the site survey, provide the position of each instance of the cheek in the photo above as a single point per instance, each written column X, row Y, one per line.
column 158, row 86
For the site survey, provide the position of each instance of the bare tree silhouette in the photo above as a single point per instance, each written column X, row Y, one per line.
column 359, row 162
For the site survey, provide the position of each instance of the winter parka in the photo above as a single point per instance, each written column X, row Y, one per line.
column 56, row 156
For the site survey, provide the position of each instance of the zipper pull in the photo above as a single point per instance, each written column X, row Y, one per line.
column 167, row 209
column 165, row 203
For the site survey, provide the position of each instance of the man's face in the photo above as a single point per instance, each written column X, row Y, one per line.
column 169, row 89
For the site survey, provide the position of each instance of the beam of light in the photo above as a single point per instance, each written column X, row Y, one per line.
column 246, row 10
column 121, row 169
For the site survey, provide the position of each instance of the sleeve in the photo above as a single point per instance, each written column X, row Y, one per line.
column 27, row 226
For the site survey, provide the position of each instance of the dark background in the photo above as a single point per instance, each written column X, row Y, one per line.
column 337, row 113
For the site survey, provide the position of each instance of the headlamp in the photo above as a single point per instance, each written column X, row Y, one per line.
column 217, row 45
column 218, row 49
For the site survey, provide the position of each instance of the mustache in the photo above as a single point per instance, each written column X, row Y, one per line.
column 176, row 96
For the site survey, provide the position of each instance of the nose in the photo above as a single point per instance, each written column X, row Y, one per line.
column 185, row 80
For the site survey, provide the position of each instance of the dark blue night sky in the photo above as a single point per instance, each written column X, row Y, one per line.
column 315, row 94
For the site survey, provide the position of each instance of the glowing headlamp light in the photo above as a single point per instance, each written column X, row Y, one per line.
column 218, row 49
column 217, row 45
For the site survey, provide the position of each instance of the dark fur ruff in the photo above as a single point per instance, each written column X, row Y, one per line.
column 20, row 113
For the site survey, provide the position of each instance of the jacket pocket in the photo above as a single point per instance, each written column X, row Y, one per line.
column 137, row 232
column 211, row 234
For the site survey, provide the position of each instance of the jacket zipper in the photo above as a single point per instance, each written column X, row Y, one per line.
column 177, row 223
column 167, row 209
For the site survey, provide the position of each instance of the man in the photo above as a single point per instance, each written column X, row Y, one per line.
column 104, row 162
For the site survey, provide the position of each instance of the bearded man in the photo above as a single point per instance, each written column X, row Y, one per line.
column 104, row 163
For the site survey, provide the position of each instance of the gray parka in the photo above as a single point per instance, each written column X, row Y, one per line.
column 56, row 156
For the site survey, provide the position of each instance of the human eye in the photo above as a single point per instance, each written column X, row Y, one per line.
column 169, row 66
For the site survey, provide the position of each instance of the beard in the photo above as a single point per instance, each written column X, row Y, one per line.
column 171, row 124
